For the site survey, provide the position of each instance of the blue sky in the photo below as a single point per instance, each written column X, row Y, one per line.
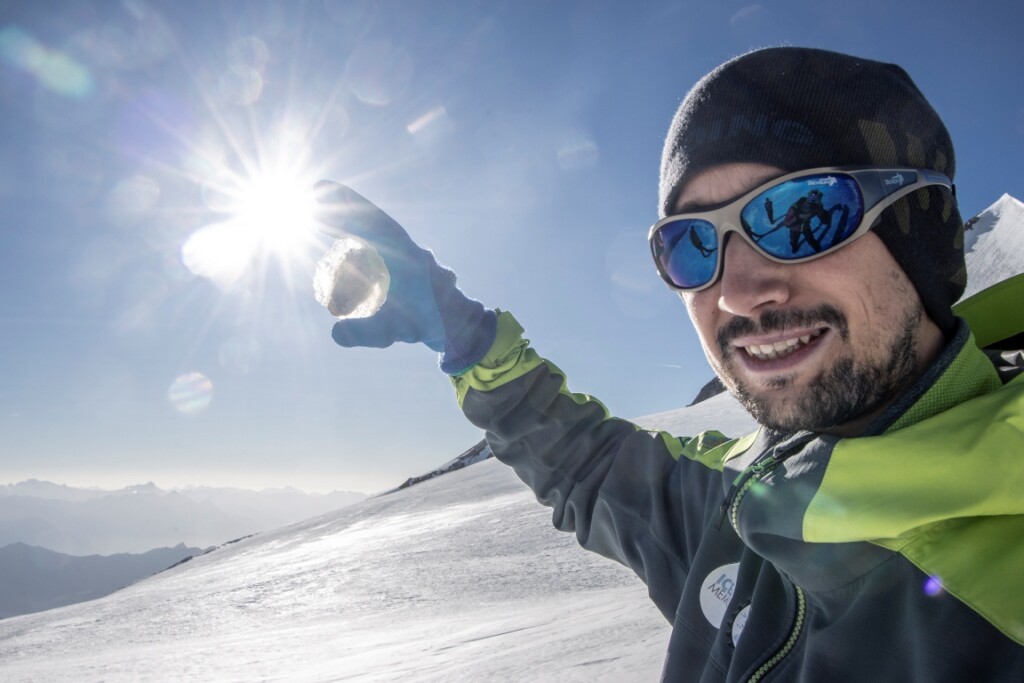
column 518, row 140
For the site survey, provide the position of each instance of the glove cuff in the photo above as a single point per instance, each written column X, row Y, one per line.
column 469, row 328
column 465, row 346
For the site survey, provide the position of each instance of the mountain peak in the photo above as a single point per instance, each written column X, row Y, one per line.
column 994, row 244
column 1008, row 198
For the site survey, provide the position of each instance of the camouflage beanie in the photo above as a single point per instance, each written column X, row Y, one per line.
column 799, row 108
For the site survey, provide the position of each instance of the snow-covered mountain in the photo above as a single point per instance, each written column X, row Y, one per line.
column 142, row 517
column 994, row 244
column 460, row 577
column 47, row 490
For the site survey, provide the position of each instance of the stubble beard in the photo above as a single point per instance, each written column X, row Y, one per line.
column 847, row 390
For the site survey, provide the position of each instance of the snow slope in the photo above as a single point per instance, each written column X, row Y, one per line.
column 458, row 578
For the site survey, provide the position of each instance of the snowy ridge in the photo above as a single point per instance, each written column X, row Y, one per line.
column 994, row 244
column 721, row 412
column 478, row 452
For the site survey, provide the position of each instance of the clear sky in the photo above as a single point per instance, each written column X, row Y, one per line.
column 157, row 320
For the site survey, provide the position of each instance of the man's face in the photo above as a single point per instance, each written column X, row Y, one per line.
column 823, row 345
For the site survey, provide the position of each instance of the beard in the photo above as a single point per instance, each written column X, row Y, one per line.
column 849, row 389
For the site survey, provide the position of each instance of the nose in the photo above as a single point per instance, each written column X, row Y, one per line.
column 750, row 282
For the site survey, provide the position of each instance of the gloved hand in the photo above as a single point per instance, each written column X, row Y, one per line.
column 423, row 304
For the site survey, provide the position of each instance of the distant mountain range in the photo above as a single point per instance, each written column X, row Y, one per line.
column 37, row 579
column 139, row 518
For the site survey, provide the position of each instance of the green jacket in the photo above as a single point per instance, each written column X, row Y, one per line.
column 895, row 556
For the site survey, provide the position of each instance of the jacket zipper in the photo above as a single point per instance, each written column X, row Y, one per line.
column 731, row 506
column 756, row 471
column 787, row 647
column 743, row 483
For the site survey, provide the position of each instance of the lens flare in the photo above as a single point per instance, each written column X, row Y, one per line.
column 379, row 72
column 933, row 587
column 221, row 252
column 190, row 394
column 54, row 70
column 577, row 153
column 133, row 197
column 241, row 85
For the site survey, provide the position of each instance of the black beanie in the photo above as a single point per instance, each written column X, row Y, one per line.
column 798, row 108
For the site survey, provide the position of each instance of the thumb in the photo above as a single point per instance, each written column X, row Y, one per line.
column 376, row 332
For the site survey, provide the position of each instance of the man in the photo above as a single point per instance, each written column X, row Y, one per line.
column 871, row 529
column 798, row 220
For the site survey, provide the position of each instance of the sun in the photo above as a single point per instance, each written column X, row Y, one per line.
column 277, row 207
column 266, row 212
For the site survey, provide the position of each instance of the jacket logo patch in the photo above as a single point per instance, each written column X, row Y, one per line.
column 739, row 623
column 716, row 593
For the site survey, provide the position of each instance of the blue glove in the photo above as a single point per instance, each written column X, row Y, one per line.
column 423, row 304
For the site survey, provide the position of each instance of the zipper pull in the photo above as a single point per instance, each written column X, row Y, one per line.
column 755, row 469
column 759, row 468
column 722, row 509
column 762, row 466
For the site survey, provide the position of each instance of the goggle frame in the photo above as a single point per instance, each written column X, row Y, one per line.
column 880, row 187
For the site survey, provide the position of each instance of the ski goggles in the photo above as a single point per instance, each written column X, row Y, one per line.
column 795, row 218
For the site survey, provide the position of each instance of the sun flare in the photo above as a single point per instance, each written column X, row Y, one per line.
column 278, row 209
column 264, row 213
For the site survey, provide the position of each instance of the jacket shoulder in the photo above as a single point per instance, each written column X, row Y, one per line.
column 995, row 315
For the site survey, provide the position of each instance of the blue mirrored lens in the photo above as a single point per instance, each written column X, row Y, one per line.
column 804, row 216
column 687, row 251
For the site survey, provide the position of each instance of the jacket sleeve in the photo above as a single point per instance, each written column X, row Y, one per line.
column 639, row 497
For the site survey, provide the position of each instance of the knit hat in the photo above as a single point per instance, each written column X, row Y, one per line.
column 798, row 108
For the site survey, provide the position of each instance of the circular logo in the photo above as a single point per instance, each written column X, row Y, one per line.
column 716, row 593
column 739, row 623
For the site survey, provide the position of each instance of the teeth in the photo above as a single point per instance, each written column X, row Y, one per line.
column 779, row 348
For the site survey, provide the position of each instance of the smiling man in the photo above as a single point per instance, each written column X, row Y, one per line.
column 823, row 346
column 872, row 529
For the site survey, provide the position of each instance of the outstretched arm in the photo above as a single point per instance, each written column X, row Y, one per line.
column 639, row 497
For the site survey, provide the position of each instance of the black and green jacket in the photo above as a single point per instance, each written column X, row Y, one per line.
column 895, row 556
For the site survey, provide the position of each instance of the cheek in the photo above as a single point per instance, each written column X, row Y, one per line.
column 883, row 303
column 899, row 308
